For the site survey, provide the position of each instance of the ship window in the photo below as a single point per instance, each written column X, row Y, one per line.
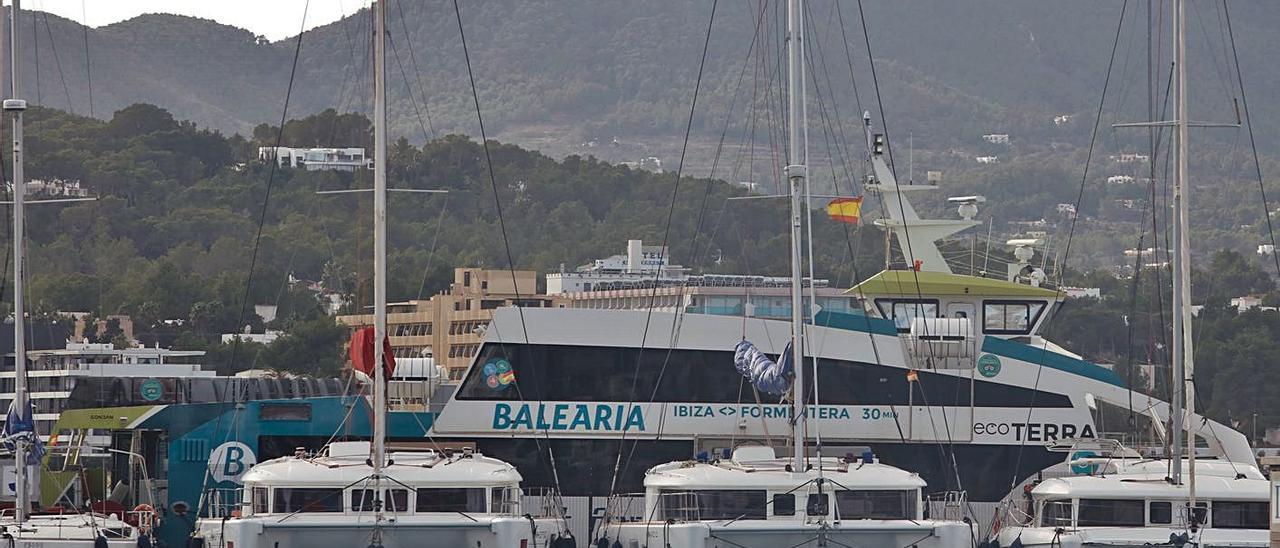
column 451, row 500
column 1010, row 317
column 784, row 505
column 290, row 500
column 259, row 500
column 1160, row 513
column 284, row 412
column 1241, row 515
column 818, row 504
column 1111, row 513
column 1055, row 513
column 895, row 504
column 730, row 504
column 612, row 374
column 902, row 311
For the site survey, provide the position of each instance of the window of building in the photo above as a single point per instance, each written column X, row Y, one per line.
column 1241, row 515
column 490, row 304
column 897, row 504
column 324, row 499
column 1160, row 512
column 466, row 278
column 451, row 500
column 456, row 373
column 1010, row 317
column 1111, row 513
column 484, row 285
column 784, row 505
column 902, row 311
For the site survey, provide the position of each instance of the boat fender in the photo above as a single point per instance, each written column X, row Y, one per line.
column 1017, row 543
column 1179, row 539
column 616, row 544
column 602, row 543
column 144, row 541
column 564, row 542
column 195, row 542
column 100, row 542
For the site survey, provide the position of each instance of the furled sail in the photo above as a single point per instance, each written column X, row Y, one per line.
column 765, row 374
column 19, row 426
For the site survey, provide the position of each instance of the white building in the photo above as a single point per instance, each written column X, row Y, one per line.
column 316, row 159
column 987, row 159
column 643, row 279
column 1079, row 292
column 1120, row 179
column 53, row 376
column 1266, row 249
column 260, row 338
column 996, row 138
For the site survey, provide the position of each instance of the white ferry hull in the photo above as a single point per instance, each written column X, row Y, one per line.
column 751, row 534
column 71, row 531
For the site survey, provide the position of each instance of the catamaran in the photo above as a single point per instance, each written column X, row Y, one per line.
column 1118, row 498
column 360, row 493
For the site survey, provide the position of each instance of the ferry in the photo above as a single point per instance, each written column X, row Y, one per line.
column 944, row 373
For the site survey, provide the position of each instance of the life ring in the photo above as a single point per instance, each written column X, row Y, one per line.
column 147, row 516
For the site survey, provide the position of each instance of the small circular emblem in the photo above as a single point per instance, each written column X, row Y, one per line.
column 151, row 390
column 989, row 365
column 498, row 374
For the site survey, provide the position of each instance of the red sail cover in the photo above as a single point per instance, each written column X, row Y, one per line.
column 361, row 353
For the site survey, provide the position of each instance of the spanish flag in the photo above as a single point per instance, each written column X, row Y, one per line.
column 845, row 210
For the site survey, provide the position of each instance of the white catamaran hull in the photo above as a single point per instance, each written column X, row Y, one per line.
column 1131, row 536
column 314, row 531
column 752, row 534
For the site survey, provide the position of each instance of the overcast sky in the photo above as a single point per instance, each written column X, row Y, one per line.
column 275, row 19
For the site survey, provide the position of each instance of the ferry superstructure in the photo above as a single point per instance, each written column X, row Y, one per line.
column 943, row 373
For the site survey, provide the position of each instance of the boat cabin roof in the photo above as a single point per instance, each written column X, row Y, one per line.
column 744, row 472
column 1146, row 479
column 907, row 283
column 345, row 464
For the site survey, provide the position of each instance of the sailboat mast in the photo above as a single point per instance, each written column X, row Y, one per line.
column 1181, row 268
column 379, row 247
column 1185, row 367
column 17, row 106
column 797, row 172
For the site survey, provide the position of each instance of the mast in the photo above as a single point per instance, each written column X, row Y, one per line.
column 379, row 252
column 16, row 107
column 1184, row 363
column 797, row 172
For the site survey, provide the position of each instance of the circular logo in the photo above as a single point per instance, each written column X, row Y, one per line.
column 498, row 374
column 151, row 389
column 230, row 461
column 1083, row 469
column 989, row 365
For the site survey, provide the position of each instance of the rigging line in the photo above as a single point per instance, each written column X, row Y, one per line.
column 53, row 46
column 619, row 466
column 35, row 51
column 1257, row 165
column 849, row 57
column 266, row 200
column 1035, row 390
column 909, row 254
column 344, row 95
column 502, row 224
column 88, row 72
column 1133, row 305
column 413, row 99
column 426, row 270
column 413, row 61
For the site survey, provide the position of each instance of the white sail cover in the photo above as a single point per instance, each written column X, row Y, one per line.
column 766, row 375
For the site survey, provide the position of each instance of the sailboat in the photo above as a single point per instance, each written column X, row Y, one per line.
column 1119, row 498
column 20, row 527
column 750, row 496
column 362, row 493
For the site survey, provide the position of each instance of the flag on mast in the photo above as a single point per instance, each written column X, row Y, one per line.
column 845, row 210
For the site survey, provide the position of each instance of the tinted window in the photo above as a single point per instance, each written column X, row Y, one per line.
column 730, row 504
column 1116, row 513
column 876, row 504
column 1055, row 513
column 393, row 500
column 451, row 500
column 285, row 412
column 259, row 500
column 784, row 505
column 1161, row 513
column 307, row 500
column 509, row 372
column 902, row 311
column 1010, row 317
column 818, row 504
column 1241, row 515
